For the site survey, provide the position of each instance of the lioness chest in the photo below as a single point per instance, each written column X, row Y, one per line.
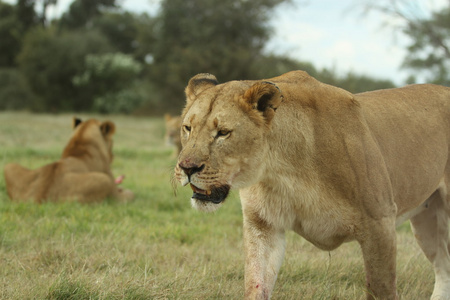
column 321, row 219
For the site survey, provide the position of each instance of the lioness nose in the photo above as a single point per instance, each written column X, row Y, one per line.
column 191, row 169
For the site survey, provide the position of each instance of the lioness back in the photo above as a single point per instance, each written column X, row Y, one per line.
column 26, row 184
column 410, row 124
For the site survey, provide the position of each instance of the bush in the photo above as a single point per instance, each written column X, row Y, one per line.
column 49, row 60
column 105, row 73
column 107, row 78
column 15, row 93
column 124, row 101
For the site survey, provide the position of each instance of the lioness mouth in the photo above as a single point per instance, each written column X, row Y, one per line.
column 215, row 195
column 200, row 191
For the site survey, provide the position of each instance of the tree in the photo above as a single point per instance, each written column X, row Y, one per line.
column 129, row 33
column 26, row 14
column 45, row 5
column 15, row 21
column 15, row 93
column 50, row 61
column 82, row 12
column 10, row 35
column 429, row 48
column 108, row 79
column 222, row 37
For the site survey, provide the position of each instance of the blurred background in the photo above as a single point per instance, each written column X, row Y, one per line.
column 136, row 57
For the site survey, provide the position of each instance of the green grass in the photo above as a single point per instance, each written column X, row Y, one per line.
column 156, row 247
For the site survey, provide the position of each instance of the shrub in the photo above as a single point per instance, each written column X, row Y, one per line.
column 108, row 78
column 15, row 93
column 124, row 101
column 49, row 60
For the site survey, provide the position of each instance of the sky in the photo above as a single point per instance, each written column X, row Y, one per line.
column 338, row 35
column 328, row 33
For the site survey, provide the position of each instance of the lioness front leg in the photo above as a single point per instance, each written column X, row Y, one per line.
column 378, row 244
column 264, row 252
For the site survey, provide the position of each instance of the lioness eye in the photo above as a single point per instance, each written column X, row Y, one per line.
column 187, row 128
column 222, row 133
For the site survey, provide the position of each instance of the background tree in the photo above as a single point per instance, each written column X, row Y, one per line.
column 10, row 35
column 44, row 5
column 221, row 37
column 74, row 63
column 15, row 93
column 430, row 46
column 26, row 14
column 127, row 32
column 82, row 12
column 50, row 61
column 15, row 22
column 429, row 35
column 109, row 80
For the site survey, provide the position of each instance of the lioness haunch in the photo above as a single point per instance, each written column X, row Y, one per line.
column 330, row 165
column 82, row 174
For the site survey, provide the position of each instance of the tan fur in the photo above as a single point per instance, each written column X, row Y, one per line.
column 327, row 164
column 82, row 174
column 172, row 135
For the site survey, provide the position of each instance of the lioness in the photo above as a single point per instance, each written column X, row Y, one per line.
column 82, row 174
column 330, row 165
column 172, row 135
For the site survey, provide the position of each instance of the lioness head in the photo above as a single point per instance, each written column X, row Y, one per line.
column 89, row 135
column 223, row 135
column 172, row 135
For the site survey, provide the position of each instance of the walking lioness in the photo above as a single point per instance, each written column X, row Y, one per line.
column 82, row 174
column 330, row 165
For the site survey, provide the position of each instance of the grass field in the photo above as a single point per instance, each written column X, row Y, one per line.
column 155, row 247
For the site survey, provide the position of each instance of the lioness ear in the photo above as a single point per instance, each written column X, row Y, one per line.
column 107, row 128
column 198, row 84
column 265, row 97
column 76, row 122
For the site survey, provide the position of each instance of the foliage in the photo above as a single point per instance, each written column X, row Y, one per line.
column 107, row 72
column 15, row 21
column 269, row 66
column 122, row 102
column 50, row 61
column 10, row 35
column 15, row 93
column 353, row 82
column 82, row 12
column 429, row 35
column 26, row 14
column 123, row 30
column 228, row 46
column 225, row 38
column 45, row 5
column 108, row 80
column 430, row 46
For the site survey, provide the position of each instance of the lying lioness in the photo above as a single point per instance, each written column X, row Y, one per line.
column 330, row 165
column 82, row 174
